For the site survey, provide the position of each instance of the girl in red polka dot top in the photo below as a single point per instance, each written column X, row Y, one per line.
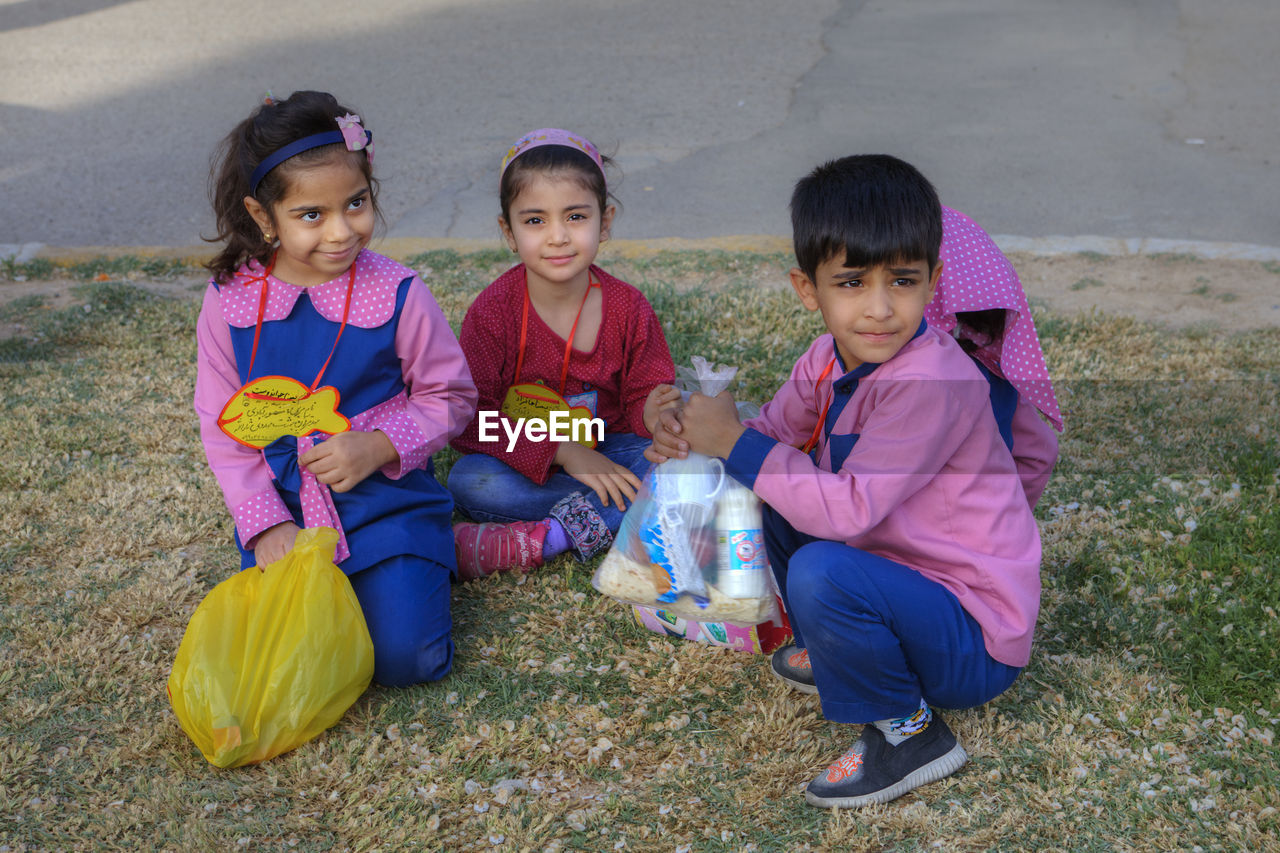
column 555, row 339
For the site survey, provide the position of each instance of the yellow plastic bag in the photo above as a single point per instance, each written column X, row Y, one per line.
column 271, row 659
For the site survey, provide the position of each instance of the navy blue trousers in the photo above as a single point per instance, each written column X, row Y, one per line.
column 406, row 606
column 881, row 636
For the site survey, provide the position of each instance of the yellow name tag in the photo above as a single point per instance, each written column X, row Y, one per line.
column 275, row 406
column 534, row 402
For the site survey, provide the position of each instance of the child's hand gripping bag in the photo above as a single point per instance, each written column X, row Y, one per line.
column 272, row 658
column 691, row 542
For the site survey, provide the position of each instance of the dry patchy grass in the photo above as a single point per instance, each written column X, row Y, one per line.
column 1145, row 720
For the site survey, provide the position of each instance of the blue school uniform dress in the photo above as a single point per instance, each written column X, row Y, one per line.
column 397, row 545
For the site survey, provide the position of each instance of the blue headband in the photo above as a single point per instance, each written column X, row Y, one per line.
column 352, row 139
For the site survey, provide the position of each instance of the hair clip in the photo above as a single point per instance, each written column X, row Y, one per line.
column 269, row 100
column 353, row 133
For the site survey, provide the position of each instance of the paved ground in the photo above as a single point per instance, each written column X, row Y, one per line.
column 1148, row 118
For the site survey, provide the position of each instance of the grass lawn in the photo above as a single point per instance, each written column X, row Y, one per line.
column 1145, row 720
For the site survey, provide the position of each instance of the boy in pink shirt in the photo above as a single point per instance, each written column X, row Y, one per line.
column 895, row 519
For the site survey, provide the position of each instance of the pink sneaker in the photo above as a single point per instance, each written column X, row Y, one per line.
column 490, row 547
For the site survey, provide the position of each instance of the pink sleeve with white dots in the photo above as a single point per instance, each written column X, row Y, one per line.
column 442, row 396
column 241, row 472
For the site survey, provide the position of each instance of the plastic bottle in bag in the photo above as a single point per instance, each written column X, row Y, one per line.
column 740, row 537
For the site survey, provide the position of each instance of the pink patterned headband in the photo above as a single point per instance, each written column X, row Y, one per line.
column 551, row 136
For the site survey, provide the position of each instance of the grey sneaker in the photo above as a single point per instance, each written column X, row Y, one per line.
column 791, row 664
column 875, row 772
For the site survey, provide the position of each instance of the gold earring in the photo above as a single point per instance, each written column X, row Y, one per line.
column 266, row 235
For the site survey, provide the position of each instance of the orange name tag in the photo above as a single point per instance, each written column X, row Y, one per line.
column 534, row 402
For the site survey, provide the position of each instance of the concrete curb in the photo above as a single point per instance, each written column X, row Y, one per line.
column 1114, row 246
column 401, row 247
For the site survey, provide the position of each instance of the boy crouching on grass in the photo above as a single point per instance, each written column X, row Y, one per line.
column 905, row 550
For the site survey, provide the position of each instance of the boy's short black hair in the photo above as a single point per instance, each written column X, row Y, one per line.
column 873, row 208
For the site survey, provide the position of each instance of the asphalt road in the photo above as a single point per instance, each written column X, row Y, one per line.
column 1145, row 118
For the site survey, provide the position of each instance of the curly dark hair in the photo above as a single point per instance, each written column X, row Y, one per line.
column 269, row 128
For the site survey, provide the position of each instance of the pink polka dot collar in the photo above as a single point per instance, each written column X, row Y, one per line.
column 373, row 300
column 976, row 276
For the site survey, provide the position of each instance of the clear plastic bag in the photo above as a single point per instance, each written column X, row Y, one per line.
column 691, row 543
column 270, row 659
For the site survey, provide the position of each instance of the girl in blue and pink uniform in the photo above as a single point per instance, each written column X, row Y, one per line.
column 297, row 296
column 980, row 301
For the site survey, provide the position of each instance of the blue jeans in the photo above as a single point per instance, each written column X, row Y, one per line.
column 880, row 635
column 487, row 489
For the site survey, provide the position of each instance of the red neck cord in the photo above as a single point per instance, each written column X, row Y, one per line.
column 568, row 347
column 822, row 419
column 262, row 310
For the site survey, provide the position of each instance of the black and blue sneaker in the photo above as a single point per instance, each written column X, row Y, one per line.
column 791, row 664
column 873, row 771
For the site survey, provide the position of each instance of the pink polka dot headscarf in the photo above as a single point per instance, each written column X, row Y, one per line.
column 976, row 276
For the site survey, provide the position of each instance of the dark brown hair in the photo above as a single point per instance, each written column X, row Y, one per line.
column 554, row 161
column 978, row 329
column 269, row 128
